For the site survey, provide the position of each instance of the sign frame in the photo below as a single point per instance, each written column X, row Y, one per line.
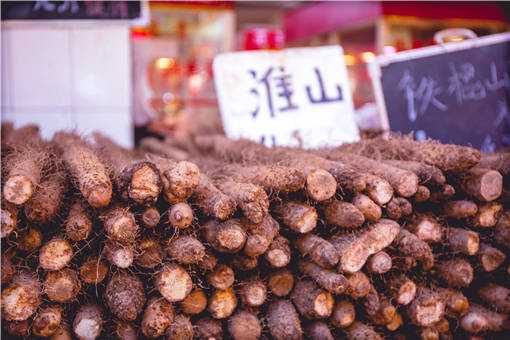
column 374, row 68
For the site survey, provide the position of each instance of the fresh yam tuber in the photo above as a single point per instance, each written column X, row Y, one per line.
column 278, row 255
column 320, row 185
column 55, row 254
column 343, row 214
column 8, row 218
column 378, row 308
column 244, row 263
column 150, row 217
column 398, row 208
column 442, row 193
column 362, row 331
column 157, row 317
column 378, row 189
column 319, row 331
column 179, row 179
column 93, row 271
column 62, row 333
column 120, row 224
column 409, row 244
column 8, row 269
column 354, row 250
column 281, row 282
column 502, row 230
column 396, row 323
column 180, row 329
column 88, row 322
column 47, row 321
column 45, row 203
column 21, row 298
column 85, row 168
column 244, row 325
column 17, row 328
column 173, row 282
column 422, row 194
column 180, row 215
column 456, row 272
column 250, row 198
column 149, row 253
column 207, row 328
column 483, row 184
column 78, row 224
column 253, row 293
column 343, row 314
column 487, row 215
column 311, row 301
column 62, row 286
column 30, row 240
column 260, row 235
column 370, row 210
column 156, row 146
column 379, row 263
column 222, row 277
column 426, row 173
column 479, row 319
column 228, row 236
column 283, row 321
column 496, row 296
column 222, row 303
column 185, row 249
column 333, row 282
column 212, row 201
column 490, row 258
column 402, row 289
column 427, row 308
column 118, row 254
column 125, row 296
column 455, row 301
column 426, row 227
column 460, row 209
column 297, row 216
column 463, row 241
column 125, row 330
column 195, row 303
column 318, row 250
column 209, row 261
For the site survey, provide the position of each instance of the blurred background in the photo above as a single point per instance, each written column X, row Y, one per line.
column 132, row 69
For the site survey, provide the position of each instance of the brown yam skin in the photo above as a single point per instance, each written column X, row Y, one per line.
column 426, row 227
column 55, row 254
column 260, row 235
column 318, row 250
column 320, row 185
column 502, row 230
column 460, row 209
column 253, row 293
column 297, row 216
column 17, row 328
column 343, row 314
column 343, row 214
column 426, row 173
column 118, row 254
column 8, row 218
column 410, row 245
column 479, row 319
column 222, row 303
column 463, row 241
column 456, row 303
column 377, row 308
column 456, row 272
column 78, row 224
column 173, row 283
column 422, row 194
column 86, row 169
column 209, row 261
column 361, row 331
column 278, row 255
column 88, row 322
column 378, row 189
column 212, row 201
column 125, row 296
column 490, row 258
column 207, row 328
column 244, row 263
column 311, row 301
column 319, row 331
column 354, row 250
column 281, row 282
column 370, row 210
column 403, row 289
column 47, row 321
column 185, row 249
column 283, row 321
column 180, row 329
column 93, row 271
column 244, row 325
column 154, row 145
column 21, row 298
column 150, row 217
column 331, row 281
column 149, row 253
column 180, row 215
column 125, row 330
column 120, row 225
column 7, row 269
column 45, row 202
column 157, row 317
column 398, row 208
column 62, row 286
column 30, row 240
column 483, row 184
column 250, row 198
column 379, row 263
column 62, row 333
column 427, row 308
column 222, row 277
column 227, row 237
column 496, row 296
column 488, row 215
column 195, row 302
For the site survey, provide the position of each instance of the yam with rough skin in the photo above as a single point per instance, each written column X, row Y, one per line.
column 120, row 224
column 173, row 282
column 21, row 298
column 195, row 302
column 93, row 271
column 311, row 301
column 318, row 250
column 333, row 282
column 490, row 258
column 479, row 319
column 157, row 317
column 180, row 329
column 47, row 321
column 483, row 184
column 250, row 198
column 212, row 201
column 88, row 322
column 278, row 255
column 297, row 216
column 283, row 321
column 228, row 236
column 208, row 328
column 281, row 282
column 118, row 254
column 55, row 254
column 253, row 293
column 319, row 331
column 222, row 303
column 427, row 308
column 62, row 286
column 150, row 217
column 343, row 214
column 78, row 224
column 244, row 325
column 343, row 314
column 498, row 297
column 185, row 249
column 260, row 235
column 125, row 296
column 149, row 253
column 180, row 215
column 8, row 218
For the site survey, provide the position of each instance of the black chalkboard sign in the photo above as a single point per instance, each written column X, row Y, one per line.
column 71, row 10
column 456, row 92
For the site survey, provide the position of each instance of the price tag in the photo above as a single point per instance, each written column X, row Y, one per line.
column 292, row 97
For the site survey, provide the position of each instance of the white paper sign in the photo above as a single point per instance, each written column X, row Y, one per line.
column 293, row 97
